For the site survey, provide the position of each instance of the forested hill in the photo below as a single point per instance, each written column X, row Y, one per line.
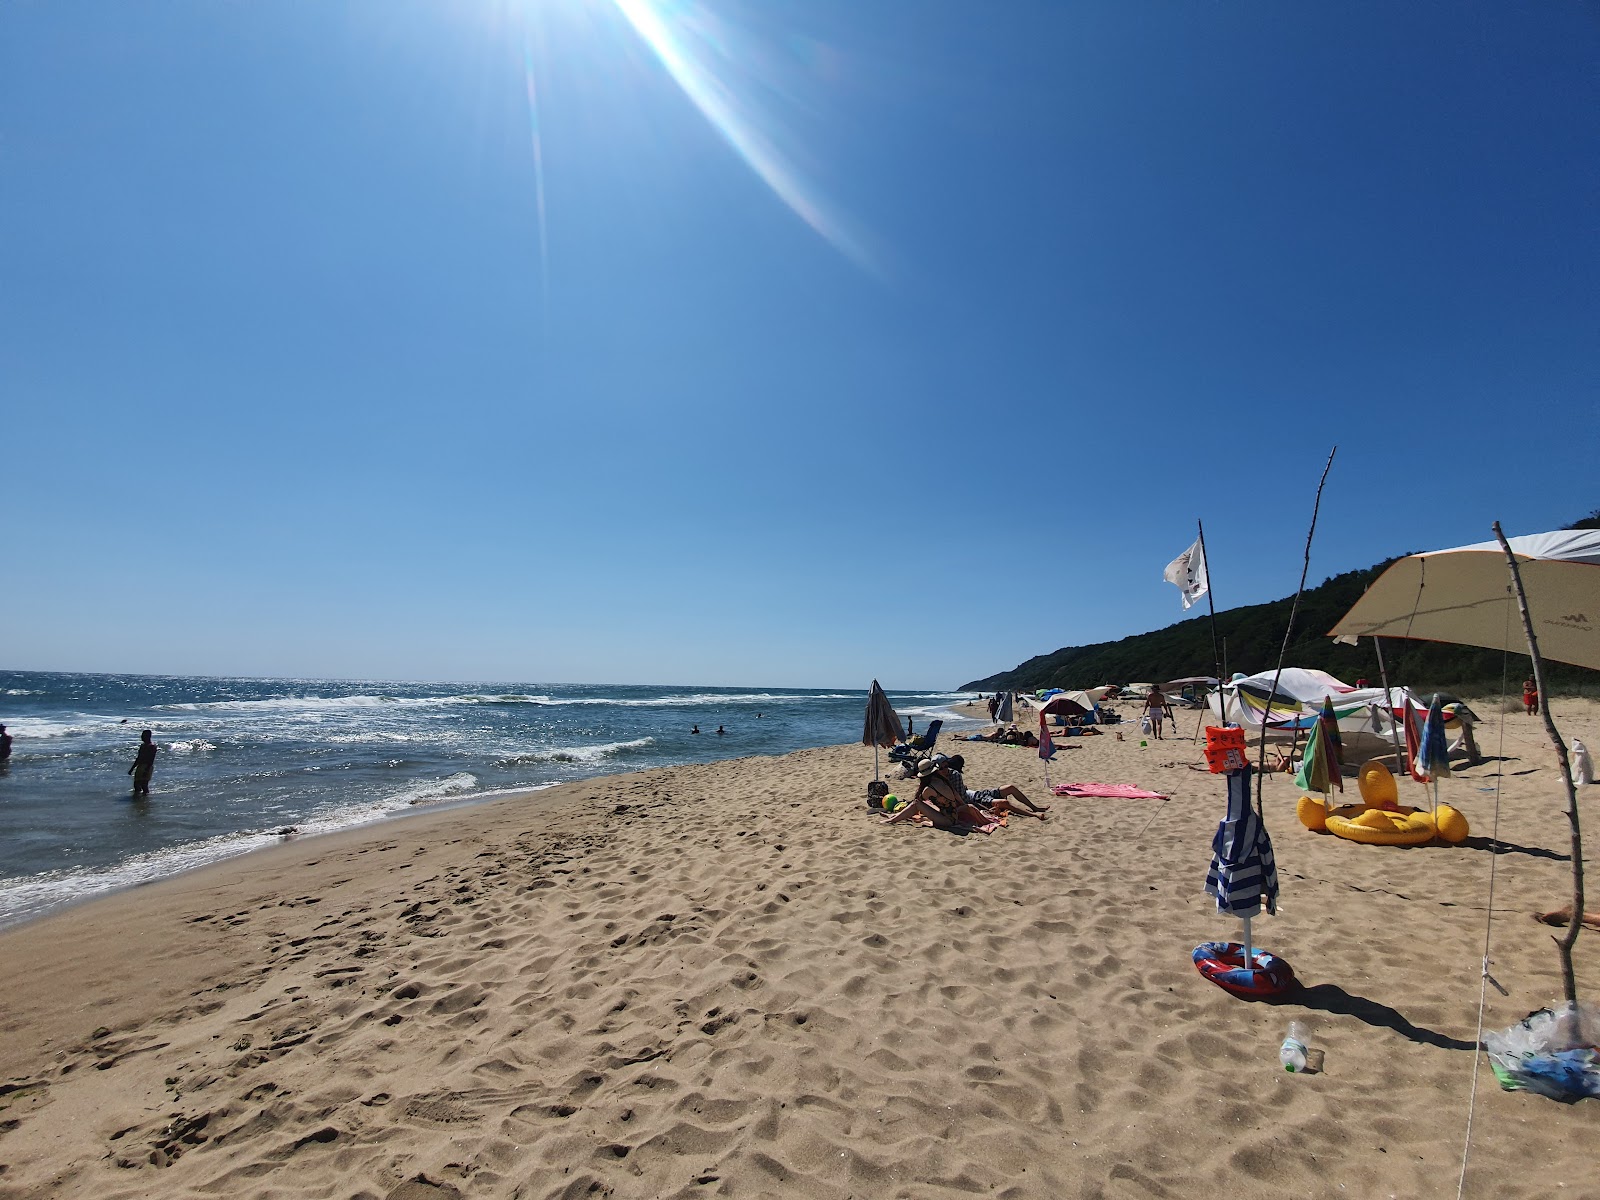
column 1255, row 633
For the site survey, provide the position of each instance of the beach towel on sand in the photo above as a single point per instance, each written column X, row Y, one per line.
column 1114, row 791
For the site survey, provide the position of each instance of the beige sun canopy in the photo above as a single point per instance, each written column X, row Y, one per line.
column 1464, row 597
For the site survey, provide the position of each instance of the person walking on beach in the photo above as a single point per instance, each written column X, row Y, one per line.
column 1155, row 706
column 1530, row 696
column 144, row 764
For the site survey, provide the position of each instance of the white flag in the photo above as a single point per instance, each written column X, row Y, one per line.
column 1188, row 572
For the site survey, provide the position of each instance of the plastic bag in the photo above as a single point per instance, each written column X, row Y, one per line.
column 1144, row 724
column 1582, row 766
column 1555, row 1052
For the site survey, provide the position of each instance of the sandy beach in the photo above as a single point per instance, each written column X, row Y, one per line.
column 732, row 980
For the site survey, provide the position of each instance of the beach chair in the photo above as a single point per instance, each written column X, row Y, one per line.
column 917, row 746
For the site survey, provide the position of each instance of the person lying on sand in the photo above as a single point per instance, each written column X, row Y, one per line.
column 998, row 799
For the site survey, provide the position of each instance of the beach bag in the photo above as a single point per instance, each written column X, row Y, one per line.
column 1144, row 723
column 876, row 791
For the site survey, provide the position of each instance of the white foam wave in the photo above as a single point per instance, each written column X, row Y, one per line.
column 436, row 789
column 575, row 754
column 195, row 746
column 48, row 727
column 29, row 896
column 933, row 712
column 698, row 700
column 23, row 692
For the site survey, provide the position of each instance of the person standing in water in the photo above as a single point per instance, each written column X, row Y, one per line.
column 144, row 764
column 5, row 745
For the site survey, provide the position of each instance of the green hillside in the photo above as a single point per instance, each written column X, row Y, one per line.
column 1255, row 633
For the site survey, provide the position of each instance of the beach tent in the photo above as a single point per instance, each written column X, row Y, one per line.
column 1464, row 597
column 1062, row 704
column 1459, row 596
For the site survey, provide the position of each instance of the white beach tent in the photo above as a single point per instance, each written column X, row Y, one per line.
column 1298, row 702
column 1460, row 596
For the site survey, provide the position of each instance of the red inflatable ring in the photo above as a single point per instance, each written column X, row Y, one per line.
column 1224, row 965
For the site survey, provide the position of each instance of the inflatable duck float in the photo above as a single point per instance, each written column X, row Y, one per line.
column 1380, row 819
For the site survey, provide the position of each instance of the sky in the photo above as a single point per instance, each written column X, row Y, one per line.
column 780, row 342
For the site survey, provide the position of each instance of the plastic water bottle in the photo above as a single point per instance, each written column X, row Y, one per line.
column 1292, row 1054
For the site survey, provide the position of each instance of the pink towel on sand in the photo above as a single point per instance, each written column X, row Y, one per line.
column 1115, row 791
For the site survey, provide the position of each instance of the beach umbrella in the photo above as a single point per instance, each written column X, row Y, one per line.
column 1333, row 743
column 1314, row 774
column 882, row 727
column 1433, row 755
column 1047, row 748
column 1413, row 741
column 1004, row 715
column 1243, row 875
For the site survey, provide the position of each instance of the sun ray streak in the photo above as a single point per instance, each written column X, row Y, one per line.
column 537, row 142
column 683, row 37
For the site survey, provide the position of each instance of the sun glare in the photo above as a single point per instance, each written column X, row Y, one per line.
column 697, row 49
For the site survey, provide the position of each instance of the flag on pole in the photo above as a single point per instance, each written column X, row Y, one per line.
column 1188, row 573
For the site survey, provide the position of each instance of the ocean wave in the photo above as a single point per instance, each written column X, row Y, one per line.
column 194, row 746
column 65, row 726
column 431, row 790
column 699, row 699
column 23, row 692
column 575, row 754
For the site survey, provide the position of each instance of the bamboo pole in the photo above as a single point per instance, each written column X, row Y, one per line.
column 1568, row 980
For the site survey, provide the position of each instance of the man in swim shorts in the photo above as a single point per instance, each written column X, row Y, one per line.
column 1007, row 797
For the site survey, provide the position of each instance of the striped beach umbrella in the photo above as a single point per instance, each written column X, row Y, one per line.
column 1243, row 875
column 1333, row 743
column 1314, row 774
column 1433, row 755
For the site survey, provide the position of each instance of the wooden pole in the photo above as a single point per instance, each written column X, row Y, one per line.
column 1211, row 604
column 1394, row 725
column 1568, row 979
column 1288, row 632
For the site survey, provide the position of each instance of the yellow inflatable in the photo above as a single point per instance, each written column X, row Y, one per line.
column 1379, row 820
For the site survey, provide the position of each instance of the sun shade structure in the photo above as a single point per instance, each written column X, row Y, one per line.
column 1462, row 596
column 882, row 726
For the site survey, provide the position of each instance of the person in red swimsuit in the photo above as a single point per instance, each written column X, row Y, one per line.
column 1530, row 697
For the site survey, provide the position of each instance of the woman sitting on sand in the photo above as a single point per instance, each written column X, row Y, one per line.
column 935, row 801
column 943, row 795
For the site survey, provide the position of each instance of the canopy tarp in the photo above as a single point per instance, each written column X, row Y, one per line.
column 1463, row 597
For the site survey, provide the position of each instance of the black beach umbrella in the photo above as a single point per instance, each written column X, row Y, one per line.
column 882, row 727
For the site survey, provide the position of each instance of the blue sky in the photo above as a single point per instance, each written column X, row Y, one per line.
column 788, row 343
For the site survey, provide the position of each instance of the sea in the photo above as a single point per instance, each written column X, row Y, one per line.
column 243, row 763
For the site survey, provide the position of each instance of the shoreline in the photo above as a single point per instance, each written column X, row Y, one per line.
column 732, row 972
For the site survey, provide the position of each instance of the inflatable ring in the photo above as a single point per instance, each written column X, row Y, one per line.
column 1223, row 964
column 1382, row 826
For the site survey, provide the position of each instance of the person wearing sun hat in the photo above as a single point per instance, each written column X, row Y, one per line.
column 935, row 800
